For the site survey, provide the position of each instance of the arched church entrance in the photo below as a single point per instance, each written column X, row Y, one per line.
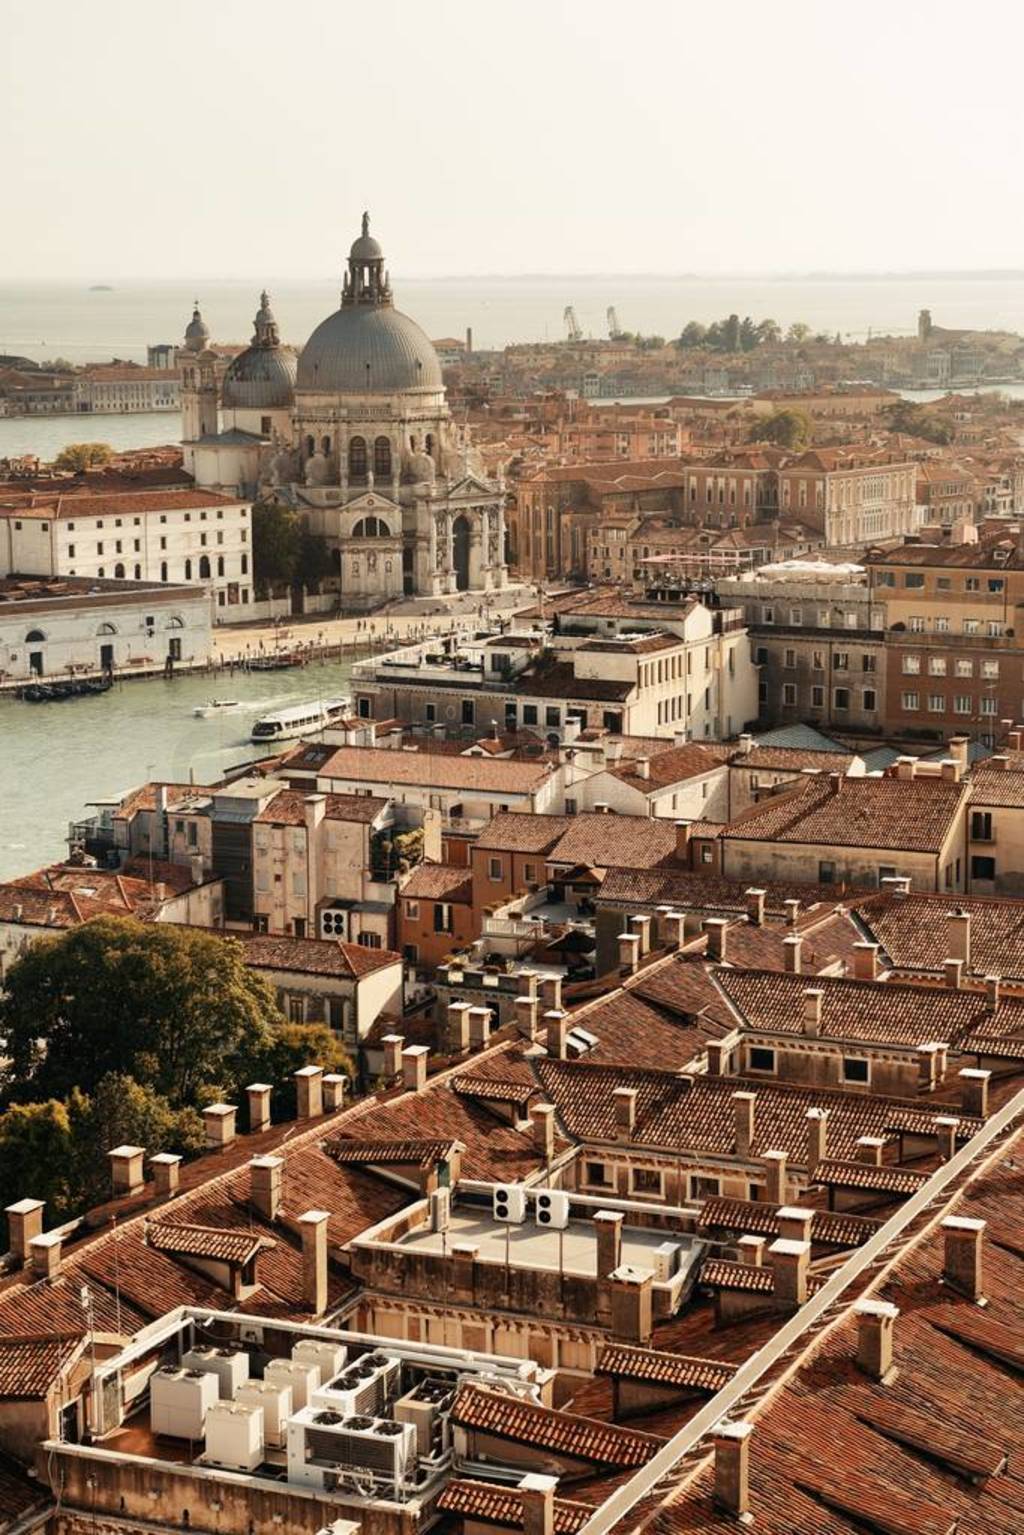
column 460, row 553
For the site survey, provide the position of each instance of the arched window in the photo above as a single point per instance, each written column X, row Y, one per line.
column 245, row 564
column 188, row 570
column 220, row 564
column 163, row 570
column 310, row 446
column 371, row 527
column 325, row 446
column 118, row 571
column 35, row 637
column 204, row 567
column 138, row 573
column 101, row 572
column 175, row 622
column 382, row 458
column 357, row 458
column 107, row 629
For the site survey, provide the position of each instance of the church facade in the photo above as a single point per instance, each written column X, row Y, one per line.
column 355, row 434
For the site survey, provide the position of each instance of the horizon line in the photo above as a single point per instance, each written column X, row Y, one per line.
column 822, row 274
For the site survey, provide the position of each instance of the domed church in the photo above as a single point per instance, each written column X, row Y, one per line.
column 355, row 433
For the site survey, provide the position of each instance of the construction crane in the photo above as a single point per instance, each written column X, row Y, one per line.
column 573, row 325
column 614, row 329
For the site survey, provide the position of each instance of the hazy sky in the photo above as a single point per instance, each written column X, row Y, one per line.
column 224, row 138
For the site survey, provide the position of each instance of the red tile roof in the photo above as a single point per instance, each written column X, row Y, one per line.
column 656, row 1368
column 547, row 1429
column 438, row 882
column 497, row 1503
column 621, row 841
column 29, row 1363
column 902, row 815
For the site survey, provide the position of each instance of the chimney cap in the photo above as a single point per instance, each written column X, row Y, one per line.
column 269, row 1162
column 314, row 1217
column 733, row 1430
column 536, row 1481
column 24, row 1206
column 964, row 1223
column 309, row 1071
column 789, row 1247
column 165, row 1159
column 260, row 1087
column 54, row 1238
column 879, row 1308
column 125, row 1152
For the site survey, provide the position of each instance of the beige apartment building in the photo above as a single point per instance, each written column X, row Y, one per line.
column 855, row 497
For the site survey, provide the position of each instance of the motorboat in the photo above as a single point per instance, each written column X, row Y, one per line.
column 216, row 706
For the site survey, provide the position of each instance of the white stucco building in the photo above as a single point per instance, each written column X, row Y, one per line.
column 356, row 435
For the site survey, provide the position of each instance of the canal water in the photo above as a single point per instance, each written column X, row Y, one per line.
column 55, row 758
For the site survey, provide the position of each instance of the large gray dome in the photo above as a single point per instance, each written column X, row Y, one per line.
column 368, row 349
column 260, row 378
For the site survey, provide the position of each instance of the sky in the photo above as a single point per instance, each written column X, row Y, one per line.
column 220, row 138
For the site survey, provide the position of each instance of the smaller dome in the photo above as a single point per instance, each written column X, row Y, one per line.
column 260, row 378
column 197, row 332
column 366, row 248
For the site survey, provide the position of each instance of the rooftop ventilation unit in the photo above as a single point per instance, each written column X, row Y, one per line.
column 426, row 1407
column 552, row 1209
column 510, row 1203
column 330, row 1357
column 356, row 1446
column 664, row 1261
column 179, row 1401
column 301, row 1379
column 364, row 1386
column 230, row 1366
column 276, row 1405
column 234, row 1436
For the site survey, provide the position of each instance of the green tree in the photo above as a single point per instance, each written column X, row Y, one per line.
column 276, row 544
column 798, row 331
column 83, row 455
column 173, row 1007
column 768, row 333
column 296, row 1045
column 731, row 333
column 650, row 343
column 314, row 563
column 914, row 419
column 35, row 1155
column 693, row 334
column 748, row 334
column 786, row 428
column 122, row 1112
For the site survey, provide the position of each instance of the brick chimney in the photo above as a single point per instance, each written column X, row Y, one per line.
column 526, row 1016
column 683, row 853
column 414, row 1067
column 551, row 992
column 946, row 1127
column 556, row 1032
column 869, row 1150
column 458, row 1027
column 542, row 1118
column 314, row 1260
column 812, row 1000
column 717, row 929
column 672, row 929
column 464, row 1256
column 755, row 899
column 334, row 1085
column 126, row 1172
column 719, row 1054
column 166, row 1167
column 608, row 1229
column 792, row 910
column 527, row 983
column 309, row 1091
column 751, row 1251
column 743, row 1108
column 865, row 961
column 45, row 1254
column 629, row 952
column 537, row 1498
column 258, row 1094
column 993, row 988
column 958, row 935
column 219, row 1125
column 974, row 1087
column 962, row 1265
column 732, row 1469
column 790, row 1261
column 24, row 1221
column 775, row 1176
column 953, row 973
column 795, row 1223
column 641, row 926
column 624, row 1099
column 392, row 1055
column 479, row 1027
column 817, row 1138
column 643, row 767
column 875, row 1319
column 266, row 1175
column 631, row 1304
column 792, row 948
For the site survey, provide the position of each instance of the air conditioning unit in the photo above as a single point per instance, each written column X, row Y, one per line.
column 276, row 1403
column 179, row 1401
column 234, row 1436
column 301, row 1379
column 552, row 1208
column 323, row 1442
column 331, row 1357
column 334, row 922
column 510, row 1203
column 230, row 1366
column 664, row 1261
column 427, row 1407
column 440, row 1209
column 363, row 1388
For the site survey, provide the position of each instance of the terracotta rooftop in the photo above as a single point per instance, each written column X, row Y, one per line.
column 29, row 1363
column 438, row 882
column 621, row 841
column 288, row 808
column 904, row 815
column 383, row 765
column 235, row 1247
column 547, row 1429
column 912, row 931
column 663, row 1369
column 497, row 1503
column 509, row 832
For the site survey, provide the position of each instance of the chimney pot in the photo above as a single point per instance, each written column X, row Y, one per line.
column 946, row 1127
column 624, row 1099
column 527, row 983
column 537, row 1499
column 790, row 1261
column 458, row 1027
column 641, row 926
column 953, row 971
column 752, row 1251
column 551, row 988
column 865, row 961
column 629, row 952
column 542, row 1117
column 608, row 1227
column 870, row 1149
column 963, row 1260
column 792, row 910
column 44, row 1251
column 817, row 1138
column 683, row 829
column 631, row 1319
column 673, row 925
column 479, row 1027
column 795, row 1223
column 219, row 1124
column 309, row 1084
column 813, row 997
column 334, row 1085
column 755, row 899
column 526, row 1016
column 791, row 952
column 126, row 1169
column 993, row 988
column 732, row 1469
column 24, row 1222
column 775, row 1176
column 875, row 1319
column 958, row 932
column 556, row 1027
column 392, row 1055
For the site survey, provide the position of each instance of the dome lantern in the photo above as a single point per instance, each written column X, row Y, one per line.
column 197, row 332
